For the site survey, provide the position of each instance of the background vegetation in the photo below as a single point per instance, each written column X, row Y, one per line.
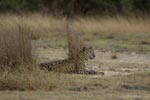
column 78, row 7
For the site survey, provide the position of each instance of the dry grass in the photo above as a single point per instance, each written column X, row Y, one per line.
column 16, row 33
column 18, row 70
column 15, row 41
column 102, row 31
column 42, row 25
column 113, row 25
column 25, row 79
column 16, row 50
column 75, row 46
column 39, row 25
column 130, row 87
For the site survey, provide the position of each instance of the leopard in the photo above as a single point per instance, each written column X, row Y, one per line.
column 68, row 65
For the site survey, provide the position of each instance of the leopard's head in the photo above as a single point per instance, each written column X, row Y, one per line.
column 88, row 53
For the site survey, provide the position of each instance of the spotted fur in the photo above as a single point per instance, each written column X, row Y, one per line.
column 68, row 65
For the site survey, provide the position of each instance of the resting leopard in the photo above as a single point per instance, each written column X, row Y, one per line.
column 68, row 65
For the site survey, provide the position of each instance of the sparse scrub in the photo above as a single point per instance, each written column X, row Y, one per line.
column 26, row 79
column 16, row 33
column 42, row 25
column 100, row 32
column 18, row 70
column 15, row 41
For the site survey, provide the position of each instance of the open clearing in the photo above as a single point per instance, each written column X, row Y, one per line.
column 124, row 59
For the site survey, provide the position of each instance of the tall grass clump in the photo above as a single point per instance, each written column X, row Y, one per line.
column 15, row 43
column 75, row 46
column 18, row 70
